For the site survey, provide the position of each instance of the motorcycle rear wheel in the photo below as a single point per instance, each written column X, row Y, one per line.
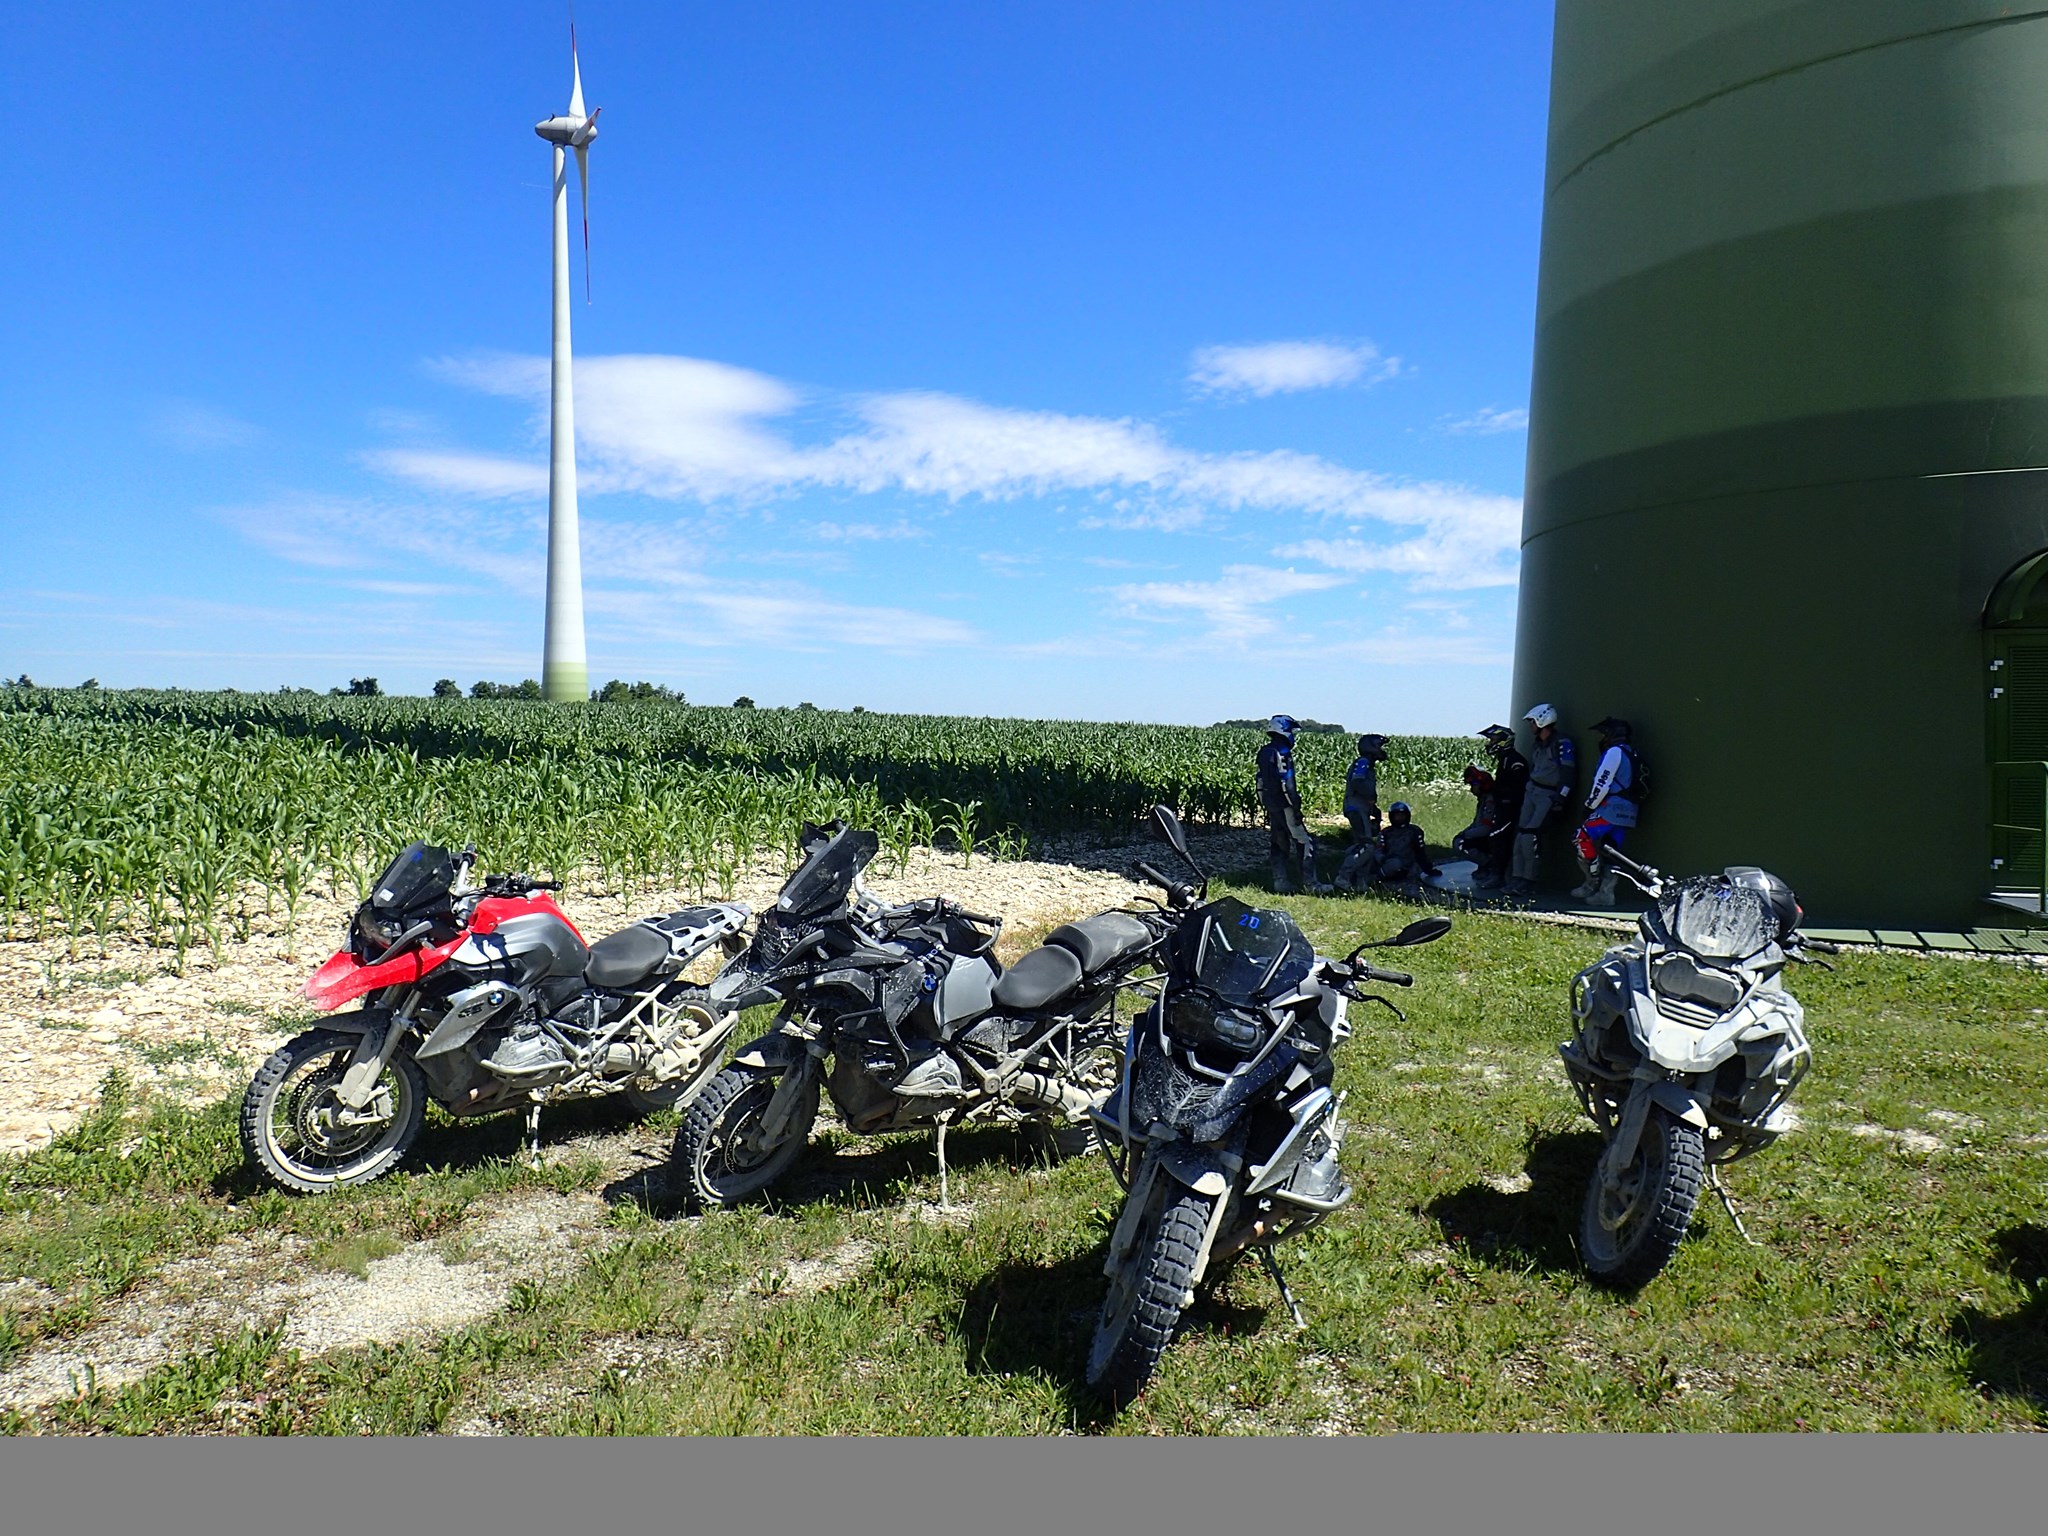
column 1147, row 1298
column 295, row 1128
column 1627, row 1235
column 719, row 1162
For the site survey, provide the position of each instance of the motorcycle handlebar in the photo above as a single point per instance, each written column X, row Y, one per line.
column 1389, row 978
column 1178, row 893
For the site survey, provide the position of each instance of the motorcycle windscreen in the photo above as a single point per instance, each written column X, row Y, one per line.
column 1716, row 920
column 825, row 879
column 1243, row 954
column 418, row 876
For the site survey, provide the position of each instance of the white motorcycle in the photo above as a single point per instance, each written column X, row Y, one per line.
column 1688, row 1048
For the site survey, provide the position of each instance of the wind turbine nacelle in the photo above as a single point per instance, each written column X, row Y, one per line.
column 562, row 130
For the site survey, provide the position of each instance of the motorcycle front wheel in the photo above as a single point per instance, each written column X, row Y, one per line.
column 1148, row 1294
column 1628, row 1233
column 296, row 1129
column 720, row 1153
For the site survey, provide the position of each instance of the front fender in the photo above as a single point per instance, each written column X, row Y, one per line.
column 1198, row 1168
column 773, row 1052
column 1680, row 1102
column 359, row 1021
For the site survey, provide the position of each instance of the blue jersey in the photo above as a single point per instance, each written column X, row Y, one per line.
column 1362, row 784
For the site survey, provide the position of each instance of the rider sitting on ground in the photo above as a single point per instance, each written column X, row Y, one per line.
column 1400, row 856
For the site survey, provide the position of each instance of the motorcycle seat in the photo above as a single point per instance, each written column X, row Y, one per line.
column 1045, row 974
column 627, row 958
column 1099, row 940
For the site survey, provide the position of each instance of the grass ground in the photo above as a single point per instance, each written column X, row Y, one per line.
column 1901, row 1279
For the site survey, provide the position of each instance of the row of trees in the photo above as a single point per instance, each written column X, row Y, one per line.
column 617, row 691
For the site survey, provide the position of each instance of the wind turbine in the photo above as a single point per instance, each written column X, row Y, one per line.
column 565, row 674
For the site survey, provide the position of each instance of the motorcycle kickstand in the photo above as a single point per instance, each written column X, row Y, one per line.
column 1273, row 1268
column 531, row 1142
column 945, row 1201
column 1728, row 1203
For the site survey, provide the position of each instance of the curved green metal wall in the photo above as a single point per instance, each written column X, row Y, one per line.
column 1789, row 423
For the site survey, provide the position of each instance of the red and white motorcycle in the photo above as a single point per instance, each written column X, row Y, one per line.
column 482, row 997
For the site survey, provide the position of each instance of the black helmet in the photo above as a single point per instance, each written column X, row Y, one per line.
column 1498, row 738
column 1398, row 813
column 1784, row 905
column 1373, row 747
column 1611, row 729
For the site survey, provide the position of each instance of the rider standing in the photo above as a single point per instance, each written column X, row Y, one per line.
column 1286, row 833
column 1553, row 775
column 1492, row 850
column 1611, row 809
column 1362, row 809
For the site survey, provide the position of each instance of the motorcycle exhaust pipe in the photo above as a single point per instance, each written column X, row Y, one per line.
column 1036, row 1088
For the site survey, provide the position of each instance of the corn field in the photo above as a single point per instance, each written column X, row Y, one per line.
column 170, row 813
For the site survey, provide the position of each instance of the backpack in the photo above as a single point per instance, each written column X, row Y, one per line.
column 1638, row 776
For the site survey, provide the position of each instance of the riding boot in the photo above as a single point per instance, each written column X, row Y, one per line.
column 1588, row 881
column 1604, row 895
column 1283, row 878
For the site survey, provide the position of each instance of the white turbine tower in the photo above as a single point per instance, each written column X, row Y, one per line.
column 565, row 674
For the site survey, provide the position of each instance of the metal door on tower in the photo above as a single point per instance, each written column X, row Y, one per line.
column 2016, row 686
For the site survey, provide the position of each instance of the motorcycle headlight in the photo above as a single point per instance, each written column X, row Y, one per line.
column 376, row 933
column 1194, row 1019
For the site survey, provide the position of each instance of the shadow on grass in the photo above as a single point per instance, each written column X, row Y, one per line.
column 1039, row 1319
column 2008, row 1354
column 864, row 1171
column 1536, row 1228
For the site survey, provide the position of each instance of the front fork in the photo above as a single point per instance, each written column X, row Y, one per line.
column 373, row 1054
column 1628, row 1129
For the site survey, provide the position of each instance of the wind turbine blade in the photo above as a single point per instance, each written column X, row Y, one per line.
column 583, row 182
column 576, row 74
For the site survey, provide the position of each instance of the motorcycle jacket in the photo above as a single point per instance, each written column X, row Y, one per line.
column 1609, row 798
column 1554, row 765
column 1362, row 788
column 1405, row 848
column 1277, row 794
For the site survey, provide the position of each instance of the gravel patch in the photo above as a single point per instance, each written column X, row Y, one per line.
column 259, row 1281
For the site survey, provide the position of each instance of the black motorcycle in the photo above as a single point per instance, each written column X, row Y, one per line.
column 904, row 1015
column 1224, row 1128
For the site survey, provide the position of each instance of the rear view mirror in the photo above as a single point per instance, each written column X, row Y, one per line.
column 1169, row 828
column 1424, row 930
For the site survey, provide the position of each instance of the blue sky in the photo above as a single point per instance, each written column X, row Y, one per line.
column 1129, row 361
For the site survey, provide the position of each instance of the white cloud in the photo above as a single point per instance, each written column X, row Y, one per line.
column 1488, row 420
column 462, row 474
column 685, row 429
column 621, row 563
column 194, row 427
column 1283, row 367
column 866, row 533
column 1228, row 607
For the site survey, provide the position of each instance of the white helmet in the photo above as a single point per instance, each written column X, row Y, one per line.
column 1541, row 716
